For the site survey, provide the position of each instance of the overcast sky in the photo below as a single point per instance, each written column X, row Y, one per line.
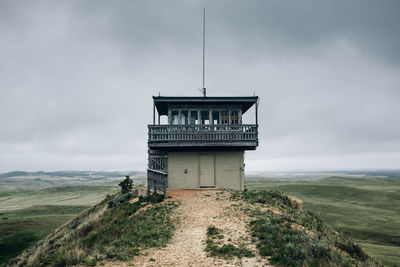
column 76, row 79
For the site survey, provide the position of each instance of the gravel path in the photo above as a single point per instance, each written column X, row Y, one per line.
column 198, row 210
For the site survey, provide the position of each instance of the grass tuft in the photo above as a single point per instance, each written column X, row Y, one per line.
column 213, row 231
column 215, row 248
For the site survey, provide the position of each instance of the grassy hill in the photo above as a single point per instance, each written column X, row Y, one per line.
column 366, row 208
column 122, row 227
column 112, row 229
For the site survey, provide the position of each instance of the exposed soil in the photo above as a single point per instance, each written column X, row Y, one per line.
column 200, row 209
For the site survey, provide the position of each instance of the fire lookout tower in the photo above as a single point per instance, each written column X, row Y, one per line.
column 203, row 143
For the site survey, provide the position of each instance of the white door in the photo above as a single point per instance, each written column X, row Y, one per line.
column 207, row 171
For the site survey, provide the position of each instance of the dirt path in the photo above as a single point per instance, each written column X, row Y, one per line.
column 198, row 210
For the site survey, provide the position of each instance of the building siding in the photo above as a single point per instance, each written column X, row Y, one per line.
column 184, row 169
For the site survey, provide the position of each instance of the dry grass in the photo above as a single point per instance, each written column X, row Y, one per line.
column 106, row 231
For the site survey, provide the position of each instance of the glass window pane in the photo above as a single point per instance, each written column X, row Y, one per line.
column 234, row 117
column 175, row 118
column 204, row 117
column 224, row 117
column 184, row 117
column 193, row 117
column 215, row 117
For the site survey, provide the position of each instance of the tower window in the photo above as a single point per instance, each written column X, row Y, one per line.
column 175, row 117
column 215, row 115
column 193, row 117
column 224, row 117
column 184, row 117
column 234, row 117
column 205, row 117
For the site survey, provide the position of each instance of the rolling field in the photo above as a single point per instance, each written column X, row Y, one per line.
column 366, row 208
column 27, row 216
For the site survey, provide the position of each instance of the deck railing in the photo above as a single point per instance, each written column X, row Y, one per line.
column 159, row 163
column 157, row 182
column 182, row 133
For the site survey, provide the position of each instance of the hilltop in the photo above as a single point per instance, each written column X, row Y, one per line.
column 198, row 228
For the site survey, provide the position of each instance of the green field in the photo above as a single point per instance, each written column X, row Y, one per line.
column 367, row 208
column 27, row 216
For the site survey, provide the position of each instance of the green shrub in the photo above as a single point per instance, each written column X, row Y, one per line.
column 65, row 257
column 225, row 250
column 273, row 198
column 126, row 185
column 75, row 224
column 155, row 198
column 311, row 220
column 119, row 199
column 213, row 231
column 91, row 262
column 348, row 245
column 287, row 246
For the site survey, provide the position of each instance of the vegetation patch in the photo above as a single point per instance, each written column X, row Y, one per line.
column 120, row 232
column 13, row 244
column 365, row 208
column 24, row 227
column 216, row 247
column 296, row 237
column 272, row 198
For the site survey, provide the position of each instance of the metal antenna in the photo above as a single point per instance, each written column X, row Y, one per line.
column 204, row 51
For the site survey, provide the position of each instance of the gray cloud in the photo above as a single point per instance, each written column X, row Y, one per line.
column 76, row 78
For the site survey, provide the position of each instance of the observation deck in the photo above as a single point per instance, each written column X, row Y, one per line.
column 190, row 136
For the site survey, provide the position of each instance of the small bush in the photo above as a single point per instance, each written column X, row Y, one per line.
column 126, row 185
column 75, row 224
column 311, row 220
column 91, row 262
column 226, row 250
column 287, row 246
column 64, row 257
column 273, row 198
column 348, row 245
column 213, row 231
column 155, row 198
column 120, row 199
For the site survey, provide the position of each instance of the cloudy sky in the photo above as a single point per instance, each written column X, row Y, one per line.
column 76, row 79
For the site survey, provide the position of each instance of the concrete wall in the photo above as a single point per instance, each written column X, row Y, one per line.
column 229, row 170
column 184, row 169
column 177, row 163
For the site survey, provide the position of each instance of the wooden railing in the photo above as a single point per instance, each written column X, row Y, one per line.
column 156, row 182
column 159, row 163
column 188, row 133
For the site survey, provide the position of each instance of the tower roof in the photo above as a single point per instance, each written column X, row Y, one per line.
column 162, row 102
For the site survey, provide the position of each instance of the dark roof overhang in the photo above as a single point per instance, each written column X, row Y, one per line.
column 162, row 102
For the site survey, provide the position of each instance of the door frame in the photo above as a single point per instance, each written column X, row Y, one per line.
column 213, row 172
